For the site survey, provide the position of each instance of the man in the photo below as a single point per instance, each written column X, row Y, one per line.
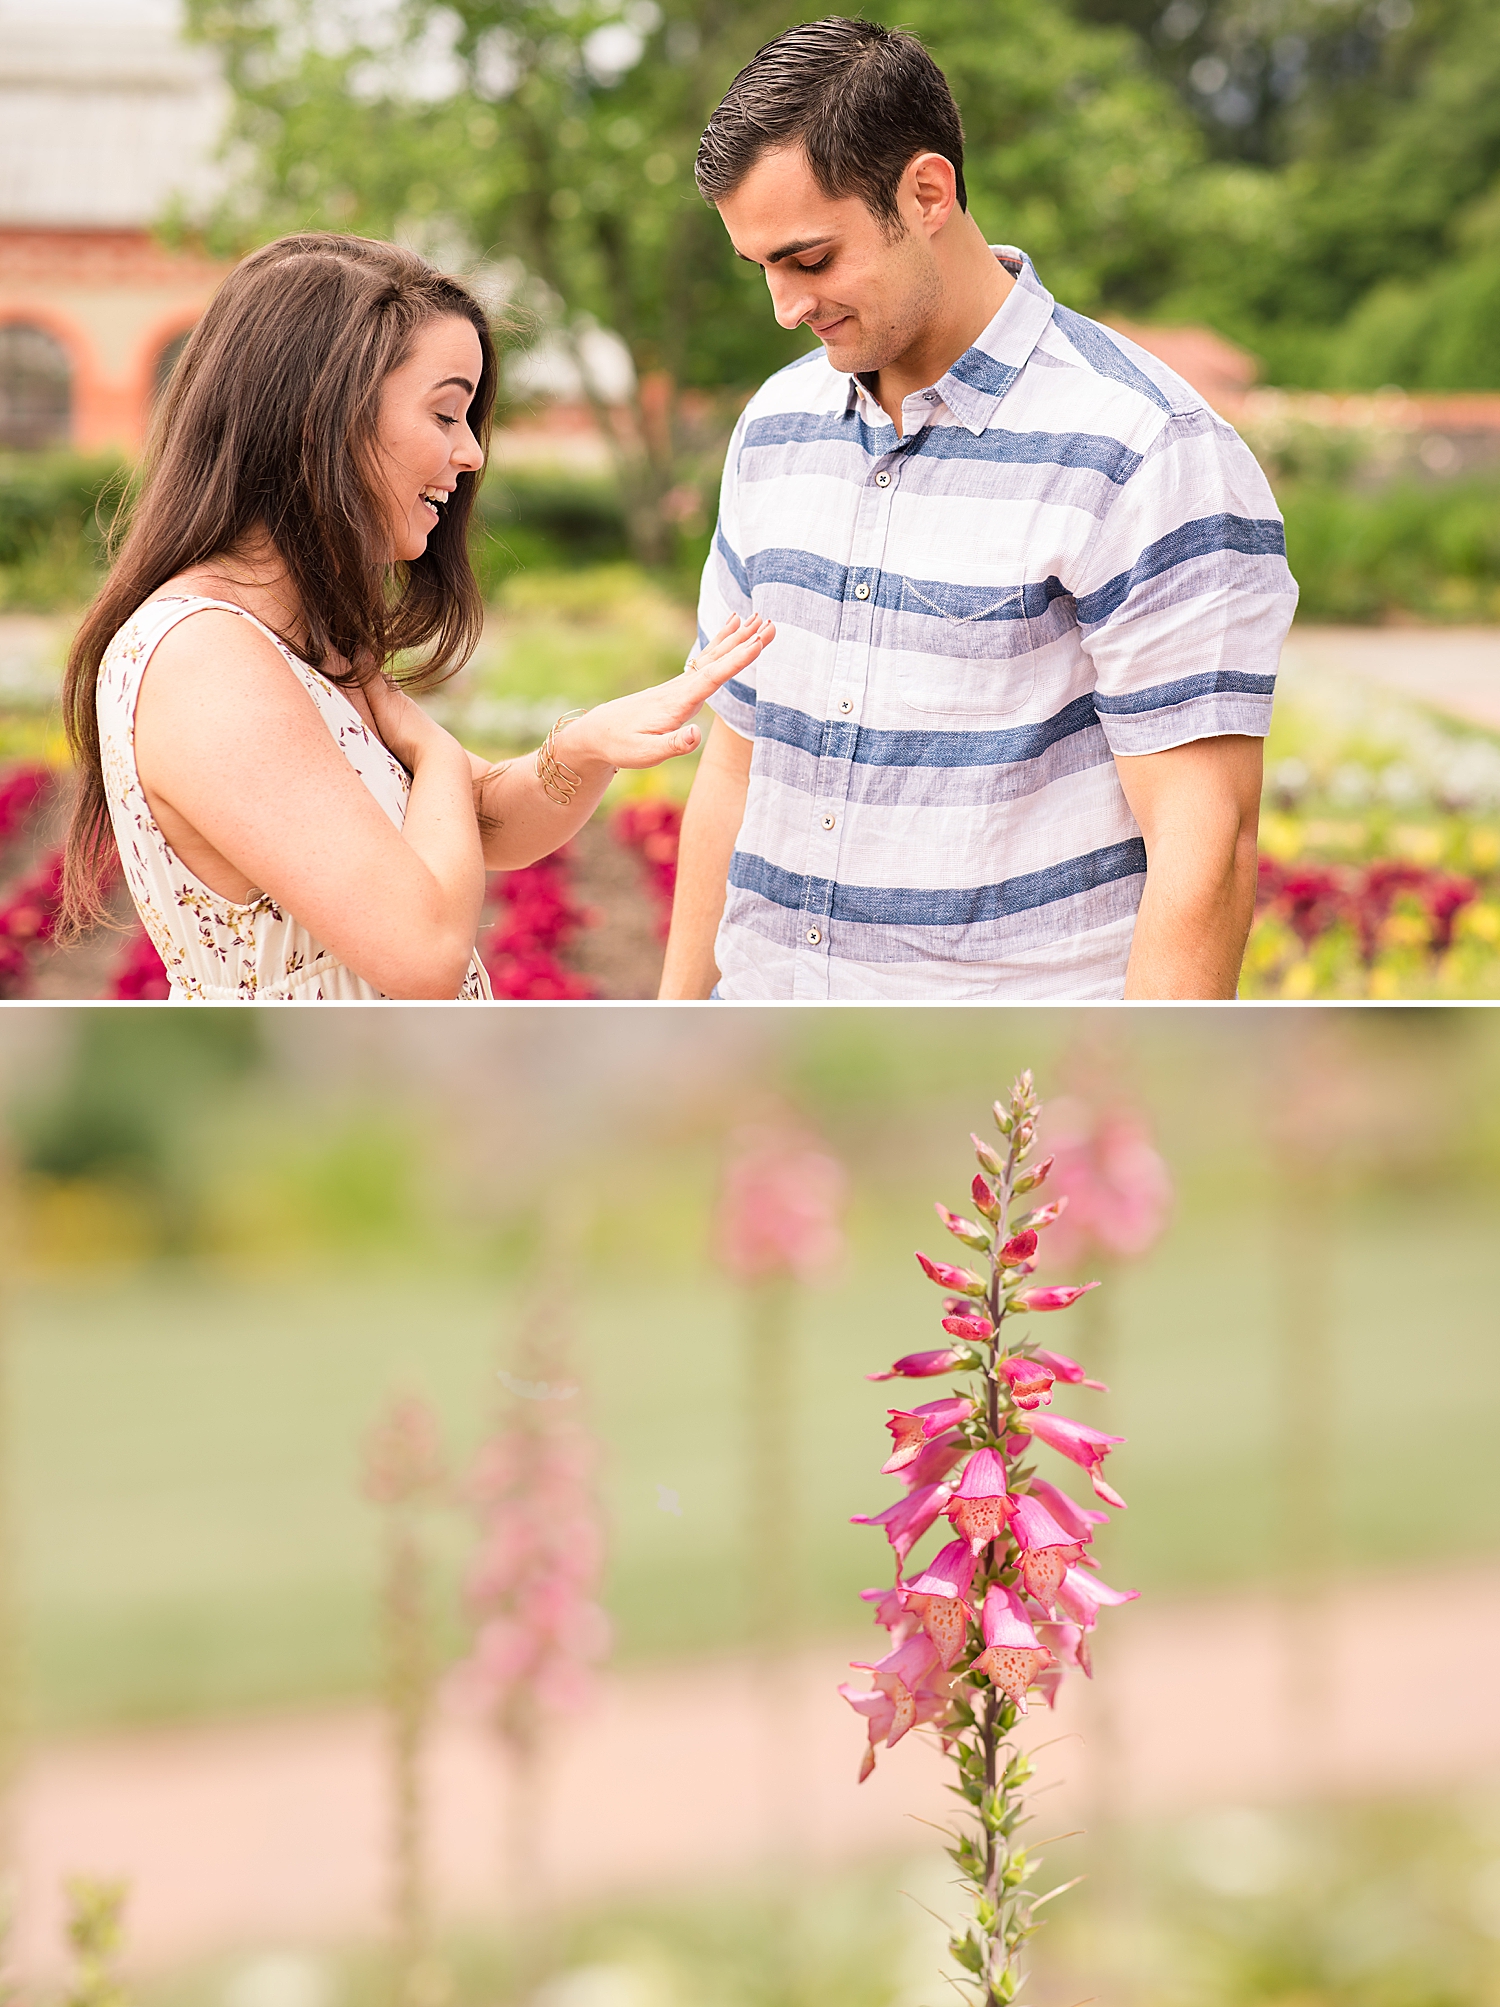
column 1029, row 594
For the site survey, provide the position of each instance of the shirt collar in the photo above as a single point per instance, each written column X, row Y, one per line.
column 983, row 374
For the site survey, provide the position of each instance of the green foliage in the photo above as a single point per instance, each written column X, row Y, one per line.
column 55, row 510
column 1415, row 548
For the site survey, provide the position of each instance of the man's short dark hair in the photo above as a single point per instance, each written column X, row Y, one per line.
column 861, row 101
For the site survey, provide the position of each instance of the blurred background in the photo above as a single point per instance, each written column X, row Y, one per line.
column 1293, row 202
column 428, row 1454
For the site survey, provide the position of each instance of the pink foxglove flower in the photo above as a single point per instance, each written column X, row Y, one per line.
column 939, row 1599
column 971, row 1679
column 1062, row 1298
column 979, row 1507
column 1085, row 1446
column 1081, row 1593
column 1013, row 1654
column 1063, row 1368
column 1046, row 1548
column 912, row 1428
column 1119, row 1189
column 909, row 1518
column 1030, row 1380
column 781, row 1207
column 921, row 1366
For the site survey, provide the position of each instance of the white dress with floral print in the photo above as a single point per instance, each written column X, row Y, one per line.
column 216, row 948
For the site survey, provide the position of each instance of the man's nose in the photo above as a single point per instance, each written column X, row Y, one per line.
column 792, row 298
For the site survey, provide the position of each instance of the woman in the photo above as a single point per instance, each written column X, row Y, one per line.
column 291, row 824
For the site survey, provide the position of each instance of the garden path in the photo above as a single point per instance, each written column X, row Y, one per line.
column 269, row 1832
column 1452, row 669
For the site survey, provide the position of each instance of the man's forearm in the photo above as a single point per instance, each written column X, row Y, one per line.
column 710, row 825
column 1194, row 920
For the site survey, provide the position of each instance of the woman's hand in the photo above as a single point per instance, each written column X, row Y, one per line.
column 650, row 726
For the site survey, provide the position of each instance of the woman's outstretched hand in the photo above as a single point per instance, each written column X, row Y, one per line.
column 653, row 725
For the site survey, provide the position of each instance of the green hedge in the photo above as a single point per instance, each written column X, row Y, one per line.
column 1426, row 549
column 54, row 512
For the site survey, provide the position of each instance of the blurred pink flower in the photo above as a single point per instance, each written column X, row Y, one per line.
column 1081, row 1593
column 781, row 1207
column 910, row 1686
column 1064, row 1368
column 936, row 1460
column 1079, row 1520
column 1119, row 1188
column 1013, row 1653
column 532, row 1586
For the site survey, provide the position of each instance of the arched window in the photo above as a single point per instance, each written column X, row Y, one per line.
column 166, row 362
column 36, row 389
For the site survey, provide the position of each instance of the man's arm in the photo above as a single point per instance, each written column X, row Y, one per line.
column 1198, row 807
column 710, row 824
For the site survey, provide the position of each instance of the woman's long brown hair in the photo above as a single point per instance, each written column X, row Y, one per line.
column 269, row 425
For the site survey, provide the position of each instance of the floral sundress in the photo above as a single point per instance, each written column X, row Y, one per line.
column 217, row 949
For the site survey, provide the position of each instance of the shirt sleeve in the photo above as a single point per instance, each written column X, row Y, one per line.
column 1185, row 597
column 726, row 590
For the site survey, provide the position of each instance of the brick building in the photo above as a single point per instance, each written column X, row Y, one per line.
column 106, row 119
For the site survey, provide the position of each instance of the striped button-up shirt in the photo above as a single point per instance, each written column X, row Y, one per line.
column 1067, row 555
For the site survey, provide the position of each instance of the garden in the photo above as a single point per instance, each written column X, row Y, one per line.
column 490, row 1649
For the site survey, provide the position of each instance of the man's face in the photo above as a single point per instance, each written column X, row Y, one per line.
column 831, row 265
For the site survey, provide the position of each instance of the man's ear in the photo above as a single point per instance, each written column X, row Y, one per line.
column 929, row 191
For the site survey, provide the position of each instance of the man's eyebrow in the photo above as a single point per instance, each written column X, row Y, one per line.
column 462, row 382
column 786, row 251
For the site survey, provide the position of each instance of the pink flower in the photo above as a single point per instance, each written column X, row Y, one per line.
column 978, row 1509
column 1061, row 1298
column 1013, row 1654
column 948, row 1277
column 935, row 1461
column 1069, row 1644
column 1030, row 1381
column 1064, row 1368
column 1046, row 1548
column 911, row 1428
column 909, row 1518
column 780, row 1207
column 1077, row 1520
column 939, row 1599
column 1047, row 1215
column 1121, row 1190
column 891, row 1613
column 1081, row 1593
column 979, row 1329
column 1085, row 1446
column 910, row 1686
column 920, row 1365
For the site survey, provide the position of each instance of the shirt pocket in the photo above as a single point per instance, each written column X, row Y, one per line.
column 967, row 650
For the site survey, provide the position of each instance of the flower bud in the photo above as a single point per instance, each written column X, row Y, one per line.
column 1044, row 1216
column 988, row 1161
column 984, row 1198
column 968, row 1231
column 978, row 1329
column 1004, row 1121
column 1029, row 1180
column 1061, row 1298
column 1018, row 1249
column 949, row 1277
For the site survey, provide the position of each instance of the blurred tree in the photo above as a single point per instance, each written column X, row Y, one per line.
column 548, row 145
column 132, row 1083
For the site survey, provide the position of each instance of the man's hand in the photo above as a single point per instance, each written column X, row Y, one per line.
column 710, row 825
column 1198, row 807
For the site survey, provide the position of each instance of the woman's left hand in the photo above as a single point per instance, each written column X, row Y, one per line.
column 653, row 725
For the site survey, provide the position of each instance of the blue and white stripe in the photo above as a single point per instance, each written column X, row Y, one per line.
column 1067, row 556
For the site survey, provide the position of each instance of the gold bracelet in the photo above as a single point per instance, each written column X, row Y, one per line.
column 559, row 782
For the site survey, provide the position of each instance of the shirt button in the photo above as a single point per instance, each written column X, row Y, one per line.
column 814, row 935
column 846, row 705
column 861, row 591
column 882, row 479
column 828, row 822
